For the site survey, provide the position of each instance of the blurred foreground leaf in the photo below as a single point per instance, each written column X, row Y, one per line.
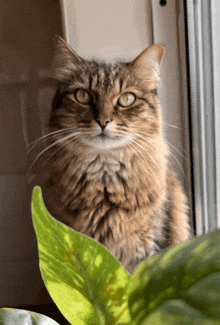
column 87, row 283
column 180, row 285
column 13, row 316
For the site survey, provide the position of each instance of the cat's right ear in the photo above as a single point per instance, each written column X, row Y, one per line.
column 146, row 65
column 66, row 61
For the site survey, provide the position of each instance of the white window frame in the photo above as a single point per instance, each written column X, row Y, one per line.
column 204, row 83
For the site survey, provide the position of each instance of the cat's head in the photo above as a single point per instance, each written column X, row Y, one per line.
column 106, row 106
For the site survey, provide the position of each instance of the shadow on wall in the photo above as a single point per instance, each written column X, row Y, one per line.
column 26, row 90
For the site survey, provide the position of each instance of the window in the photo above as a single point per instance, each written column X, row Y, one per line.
column 204, row 75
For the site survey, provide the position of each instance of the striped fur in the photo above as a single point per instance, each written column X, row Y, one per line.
column 114, row 187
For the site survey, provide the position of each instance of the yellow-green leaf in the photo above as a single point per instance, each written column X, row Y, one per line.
column 87, row 283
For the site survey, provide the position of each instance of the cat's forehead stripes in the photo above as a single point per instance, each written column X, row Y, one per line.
column 101, row 79
column 106, row 78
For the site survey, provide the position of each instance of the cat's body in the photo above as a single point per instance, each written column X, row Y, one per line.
column 108, row 175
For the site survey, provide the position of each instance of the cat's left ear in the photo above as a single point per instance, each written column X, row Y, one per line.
column 66, row 61
column 146, row 65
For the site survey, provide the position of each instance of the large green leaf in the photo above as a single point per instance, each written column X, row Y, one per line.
column 84, row 279
column 180, row 285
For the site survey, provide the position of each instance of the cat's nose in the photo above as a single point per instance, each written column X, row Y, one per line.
column 102, row 122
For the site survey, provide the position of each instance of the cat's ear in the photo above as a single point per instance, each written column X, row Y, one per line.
column 146, row 65
column 66, row 61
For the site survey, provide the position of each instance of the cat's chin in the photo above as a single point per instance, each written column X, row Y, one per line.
column 103, row 142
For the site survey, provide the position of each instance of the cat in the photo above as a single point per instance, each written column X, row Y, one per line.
column 107, row 168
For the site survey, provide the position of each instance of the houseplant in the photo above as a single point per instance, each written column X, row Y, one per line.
column 179, row 285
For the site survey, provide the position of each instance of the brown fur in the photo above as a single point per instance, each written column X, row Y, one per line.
column 119, row 189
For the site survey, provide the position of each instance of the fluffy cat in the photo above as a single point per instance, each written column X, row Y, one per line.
column 107, row 166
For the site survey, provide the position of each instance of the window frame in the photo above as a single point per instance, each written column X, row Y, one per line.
column 204, row 116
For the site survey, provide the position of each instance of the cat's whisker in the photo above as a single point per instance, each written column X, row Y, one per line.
column 178, row 151
column 177, row 162
column 51, row 134
column 138, row 144
column 54, row 134
column 148, row 154
column 147, row 144
column 118, row 134
column 150, row 143
column 140, row 155
column 62, row 146
column 147, row 136
column 146, row 139
column 181, row 147
column 174, row 155
column 137, row 151
column 171, row 125
column 52, row 145
column 172, row 147
column 144, row 158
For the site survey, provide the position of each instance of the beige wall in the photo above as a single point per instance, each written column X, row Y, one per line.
column 108, row 30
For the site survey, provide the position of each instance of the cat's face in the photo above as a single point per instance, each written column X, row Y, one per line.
column 106, row 106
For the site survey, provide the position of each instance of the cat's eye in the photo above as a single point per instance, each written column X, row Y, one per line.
column 83, row 96
column 127, row 99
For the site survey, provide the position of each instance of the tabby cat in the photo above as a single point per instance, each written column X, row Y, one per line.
column 107, row 172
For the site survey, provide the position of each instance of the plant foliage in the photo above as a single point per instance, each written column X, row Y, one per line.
column 179, row 285
column 84, row 279
column 14, row 316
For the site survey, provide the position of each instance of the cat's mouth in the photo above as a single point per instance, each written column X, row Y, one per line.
column 105, row 140
column 102, row 135
column 107, row 135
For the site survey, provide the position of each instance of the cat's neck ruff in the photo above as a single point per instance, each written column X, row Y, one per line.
column 106, row 156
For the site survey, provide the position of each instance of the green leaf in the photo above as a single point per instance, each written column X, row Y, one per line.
column 180, row 285
column 86, row 282
column 13, row 316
